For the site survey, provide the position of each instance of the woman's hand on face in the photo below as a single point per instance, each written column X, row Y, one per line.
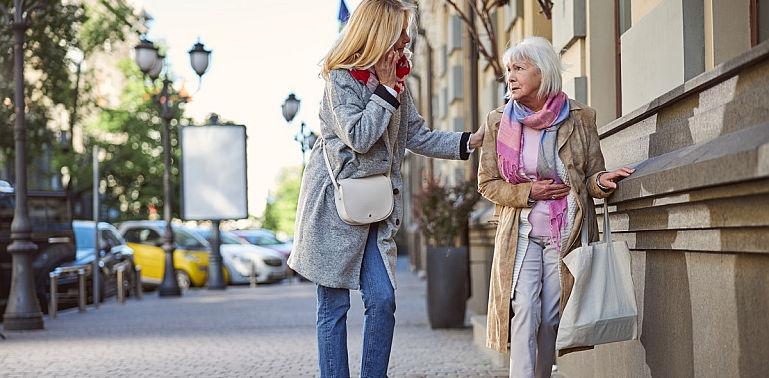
column 610, row 179
column 385, row 69
column 476, row 138
column 548, row 190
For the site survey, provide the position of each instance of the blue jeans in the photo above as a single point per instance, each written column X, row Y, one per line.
column 378, row 320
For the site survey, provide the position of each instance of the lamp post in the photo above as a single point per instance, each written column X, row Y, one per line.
column 23, row 310
column 306, row 141
column 215, row 272
column 290, row 107
column 310, row 140
column 150, row 62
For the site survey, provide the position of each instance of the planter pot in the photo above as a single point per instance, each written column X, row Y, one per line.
column 447, row 286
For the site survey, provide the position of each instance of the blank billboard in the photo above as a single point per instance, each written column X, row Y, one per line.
column 213, row 169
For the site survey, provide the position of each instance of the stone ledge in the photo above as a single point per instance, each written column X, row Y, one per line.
column 725, row 240
column 724, row 192
column 743, row 211
column 738, row 156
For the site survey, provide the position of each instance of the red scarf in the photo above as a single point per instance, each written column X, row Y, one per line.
column 369, row 79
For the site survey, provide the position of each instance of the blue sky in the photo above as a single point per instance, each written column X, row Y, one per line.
column 262, row 51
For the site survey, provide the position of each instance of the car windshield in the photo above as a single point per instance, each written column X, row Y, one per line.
column 186, row 240
column 263, row 238
column 227, row 237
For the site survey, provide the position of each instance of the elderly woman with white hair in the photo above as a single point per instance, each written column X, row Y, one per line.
column 541, row 164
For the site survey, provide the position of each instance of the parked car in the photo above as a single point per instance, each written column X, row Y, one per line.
column 112, row 250
column 190, row 256
column 267, row 239
column 240, row 257
column 51, row 220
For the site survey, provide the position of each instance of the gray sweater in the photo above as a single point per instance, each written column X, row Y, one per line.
column 326, row 250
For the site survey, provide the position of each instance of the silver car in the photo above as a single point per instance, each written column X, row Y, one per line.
column 242, row 258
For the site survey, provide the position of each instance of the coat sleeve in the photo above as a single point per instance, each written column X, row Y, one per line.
column 357, row 123
column 491, row 185
column 595, row 160
column 432, row 143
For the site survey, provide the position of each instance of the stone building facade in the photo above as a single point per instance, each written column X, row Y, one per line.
column 681, row 88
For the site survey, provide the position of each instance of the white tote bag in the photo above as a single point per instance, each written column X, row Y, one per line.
column 602, row 307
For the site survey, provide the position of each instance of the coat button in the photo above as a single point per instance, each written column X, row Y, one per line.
column 396, row 191
column 397, row 222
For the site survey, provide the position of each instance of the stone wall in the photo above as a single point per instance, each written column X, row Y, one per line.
column 696, row 217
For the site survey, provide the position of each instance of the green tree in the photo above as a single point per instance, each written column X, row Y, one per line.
column 280, row 213
column 48, row 40
column 132, row 169
column 55, row 31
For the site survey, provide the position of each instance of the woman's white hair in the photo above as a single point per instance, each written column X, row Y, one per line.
column 539, row 52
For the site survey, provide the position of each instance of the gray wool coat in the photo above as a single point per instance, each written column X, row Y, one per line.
column 328, row 251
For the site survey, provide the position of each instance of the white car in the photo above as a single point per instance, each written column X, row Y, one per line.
column 240, row 257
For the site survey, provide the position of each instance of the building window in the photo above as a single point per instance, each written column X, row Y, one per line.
column 622, row 23
column 455, row 33
column 759, row 21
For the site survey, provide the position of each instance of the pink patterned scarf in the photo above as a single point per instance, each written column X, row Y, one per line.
column 510, row 147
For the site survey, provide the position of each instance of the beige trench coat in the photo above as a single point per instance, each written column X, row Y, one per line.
column 580, row 151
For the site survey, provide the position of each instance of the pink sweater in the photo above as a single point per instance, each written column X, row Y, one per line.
column 540, row 213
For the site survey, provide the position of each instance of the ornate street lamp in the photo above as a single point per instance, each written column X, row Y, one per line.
column 290, row 107
column 151, row 64
column 199, row 58
column 23, row 310
column 146, row 55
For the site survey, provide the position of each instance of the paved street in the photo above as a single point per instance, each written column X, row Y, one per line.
column 268, row 331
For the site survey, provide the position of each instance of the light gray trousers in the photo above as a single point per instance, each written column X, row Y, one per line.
column 535, row 302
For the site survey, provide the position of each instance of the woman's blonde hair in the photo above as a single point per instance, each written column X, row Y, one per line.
column 372, row 30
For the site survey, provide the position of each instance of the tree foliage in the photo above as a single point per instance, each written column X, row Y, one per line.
column 280, row 213
column 48, row 41
column 56, row 31
column 132, row 166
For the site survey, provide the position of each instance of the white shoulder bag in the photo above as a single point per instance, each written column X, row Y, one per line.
column 364, row 200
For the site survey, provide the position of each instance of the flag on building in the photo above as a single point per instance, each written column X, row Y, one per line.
column 344, row 14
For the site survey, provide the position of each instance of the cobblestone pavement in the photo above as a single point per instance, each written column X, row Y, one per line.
column 267, row 331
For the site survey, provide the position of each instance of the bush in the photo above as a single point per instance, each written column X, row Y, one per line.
column 443, row 211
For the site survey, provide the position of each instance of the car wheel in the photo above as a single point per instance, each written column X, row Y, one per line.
column 183, row 280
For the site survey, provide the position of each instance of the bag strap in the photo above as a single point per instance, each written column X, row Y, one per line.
column 328, row 163
column 386, row 137
column 606, row 224
column 606, row 228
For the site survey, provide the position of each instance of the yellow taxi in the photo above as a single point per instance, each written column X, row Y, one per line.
column 190, row 256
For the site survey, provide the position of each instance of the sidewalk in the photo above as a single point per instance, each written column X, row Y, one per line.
column 268, row 331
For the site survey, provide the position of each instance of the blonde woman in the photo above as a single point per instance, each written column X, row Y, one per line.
column 366, row 108
column 542, row 165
